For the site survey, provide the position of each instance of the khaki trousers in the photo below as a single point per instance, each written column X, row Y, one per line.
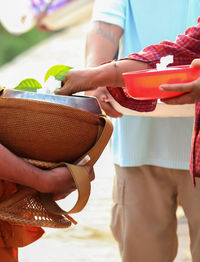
column 144, row 213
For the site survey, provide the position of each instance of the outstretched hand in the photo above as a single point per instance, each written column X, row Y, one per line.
column 76, row 81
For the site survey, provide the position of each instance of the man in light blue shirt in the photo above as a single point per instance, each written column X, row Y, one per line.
column 151, row 155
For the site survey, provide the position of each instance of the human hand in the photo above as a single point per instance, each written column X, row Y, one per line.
column 60, row 183
column 104, row 97
column 191, row 90
column 76, row 81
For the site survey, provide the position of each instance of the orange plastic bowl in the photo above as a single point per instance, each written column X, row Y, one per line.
column 145, row 84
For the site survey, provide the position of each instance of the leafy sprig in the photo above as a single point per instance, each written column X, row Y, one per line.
column 31, row 84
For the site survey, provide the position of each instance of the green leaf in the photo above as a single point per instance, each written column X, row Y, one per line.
column 28, row 84
column 58, row 71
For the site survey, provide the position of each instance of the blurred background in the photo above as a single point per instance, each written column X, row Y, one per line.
column 26, row 52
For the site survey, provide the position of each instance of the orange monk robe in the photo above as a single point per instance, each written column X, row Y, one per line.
column 14, row 236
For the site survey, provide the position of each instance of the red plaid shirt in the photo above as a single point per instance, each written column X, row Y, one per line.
column 184, row 50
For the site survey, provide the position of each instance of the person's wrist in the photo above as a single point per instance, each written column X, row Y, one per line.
column 44, row 182
column 93, row 75
column 57, row 181
column 36, row 178
column 103, row 75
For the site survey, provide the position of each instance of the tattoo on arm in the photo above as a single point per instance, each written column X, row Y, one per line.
column 106, row 33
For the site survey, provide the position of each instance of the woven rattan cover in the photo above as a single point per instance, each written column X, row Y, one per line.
column 46, row 131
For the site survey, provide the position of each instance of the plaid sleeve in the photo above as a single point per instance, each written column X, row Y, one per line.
column 185, row 49
column 125, row 100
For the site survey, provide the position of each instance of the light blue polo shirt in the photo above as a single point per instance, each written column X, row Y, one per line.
column 136, row 141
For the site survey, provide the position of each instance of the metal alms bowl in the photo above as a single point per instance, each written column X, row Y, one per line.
column 86, row 103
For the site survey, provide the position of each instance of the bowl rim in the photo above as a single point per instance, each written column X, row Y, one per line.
column 153, row 71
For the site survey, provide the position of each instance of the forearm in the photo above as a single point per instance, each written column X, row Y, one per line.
column 14, row 169
column 102, row 43
column 109, row 75
column 94, row 77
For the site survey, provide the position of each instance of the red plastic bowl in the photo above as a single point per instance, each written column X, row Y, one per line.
column 145, row 84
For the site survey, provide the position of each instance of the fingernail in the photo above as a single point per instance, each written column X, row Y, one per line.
column 84, row 161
